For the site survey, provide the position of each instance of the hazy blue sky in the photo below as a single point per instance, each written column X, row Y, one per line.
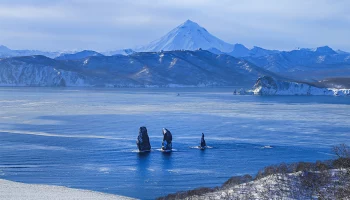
column 113, row 24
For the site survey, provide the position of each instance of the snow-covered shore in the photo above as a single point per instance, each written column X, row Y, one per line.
column 290, row 186
column 271, row 86
column 10, row 190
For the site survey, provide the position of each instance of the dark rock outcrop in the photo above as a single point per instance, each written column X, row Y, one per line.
column 167, row 140
column 143, row 140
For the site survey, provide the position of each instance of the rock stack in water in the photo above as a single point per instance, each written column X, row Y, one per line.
column 143, row 140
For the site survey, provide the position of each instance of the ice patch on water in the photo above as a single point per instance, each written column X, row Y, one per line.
column 328, row 154
column 72, row 90
column 35, row 147
column 22, row 166
column 189, row 171
column 131, row 168
column 107, row 169
column 198, row 147
column 138, row 151
column 98, row 168
column 40, row 103
column 272, row 129
column 62, row 135
column 104, row 170
column 12, row 101
column 161, row 150
column 8, row 117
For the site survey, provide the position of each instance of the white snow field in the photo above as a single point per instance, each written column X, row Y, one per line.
column 10, row 190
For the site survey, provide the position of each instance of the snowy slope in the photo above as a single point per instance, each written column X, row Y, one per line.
column 239, row 50
column 258, row 52
column 4, row 51
column 124, row 52
column 271, row 86
column 10, row 190
column 187, row 36
column 78, row 55
column 288, row 186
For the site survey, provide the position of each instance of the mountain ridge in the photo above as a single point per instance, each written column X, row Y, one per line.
column 323, row 62
column 78, row 55
column 164, row 69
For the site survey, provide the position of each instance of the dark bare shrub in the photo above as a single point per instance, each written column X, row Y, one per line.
column 313, row 182
column 342, row 151
column 343, row 162
column 283, row 168
column 321, row 166
column 303, row 166
column 269, row 170
column 189, row 193
column 236, row 180
column 343, row 156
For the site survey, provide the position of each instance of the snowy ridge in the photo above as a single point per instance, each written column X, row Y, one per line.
column 78, row 55
column 271, row 86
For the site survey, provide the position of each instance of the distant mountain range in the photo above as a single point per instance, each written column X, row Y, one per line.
column 306, row 64
column 6, row 52
column 188, row 55
column 165, row 69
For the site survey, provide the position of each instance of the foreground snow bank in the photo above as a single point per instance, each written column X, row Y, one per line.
column 10, row 190
column 271, row 86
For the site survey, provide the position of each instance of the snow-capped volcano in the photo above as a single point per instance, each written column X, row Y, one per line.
column 187, row 36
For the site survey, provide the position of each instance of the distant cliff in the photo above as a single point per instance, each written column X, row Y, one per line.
column 271, row 86
column 22, row 72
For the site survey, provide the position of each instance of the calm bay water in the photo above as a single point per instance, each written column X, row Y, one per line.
column 85, row 138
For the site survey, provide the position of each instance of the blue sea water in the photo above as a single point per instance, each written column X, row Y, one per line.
column 86, row 138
